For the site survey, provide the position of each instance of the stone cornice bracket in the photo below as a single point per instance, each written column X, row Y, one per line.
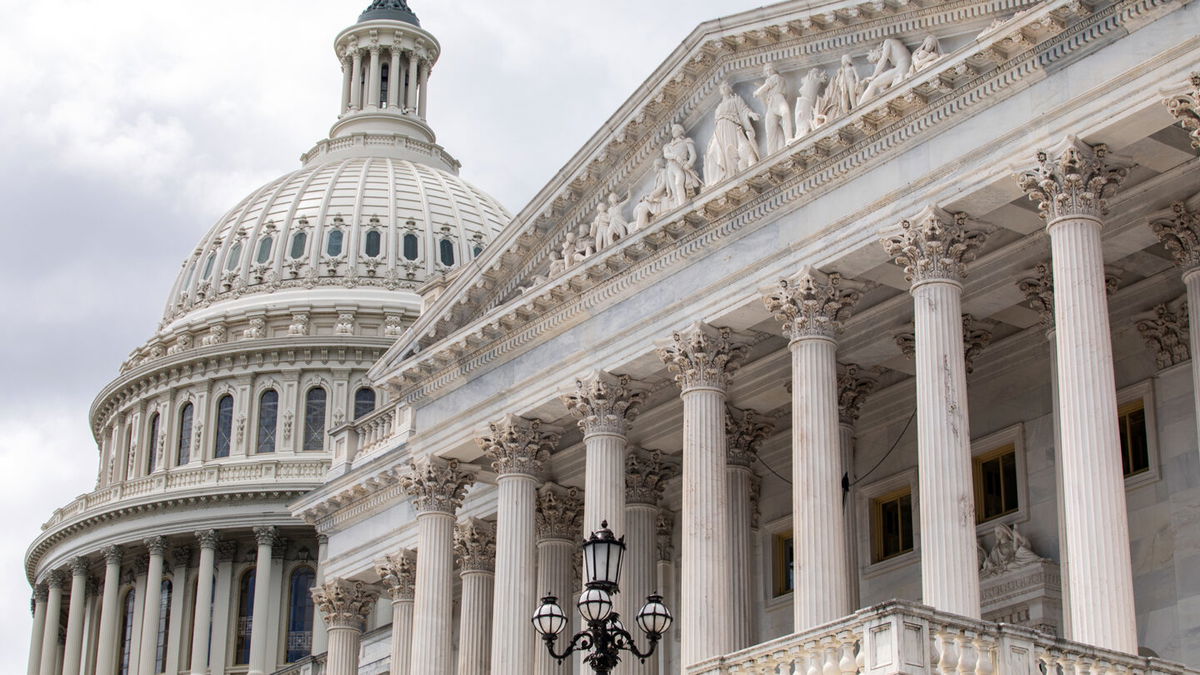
column 266, row 536
column 1186, row 108
column 345, row 604
column 517, row 445
column 646, row 476
column 936, row 245
column 812, row 303
column 207, row 538
column 745, row 430
column 605, row 403
column 475, row 545
column 559, row 513
column 1074, row 180
column 1165, row 330
column 1038, row 289
column 156, row 545
column 855, row 384
column 436, row 484
column 703, row 356
column 398, row 572
column 1178, row 229
column 977, row 335
column 79, row 565
column 113, row 554
column 664, row 528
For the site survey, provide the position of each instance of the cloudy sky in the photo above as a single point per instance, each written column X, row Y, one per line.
column 128, row 126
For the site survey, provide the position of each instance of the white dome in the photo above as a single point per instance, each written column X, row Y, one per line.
column 380, row 223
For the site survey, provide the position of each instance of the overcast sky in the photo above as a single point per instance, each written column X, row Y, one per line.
column 128, row 127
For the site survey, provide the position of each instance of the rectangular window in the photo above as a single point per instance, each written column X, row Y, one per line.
column 996, row 483
column 1135, row 445
column 785, row 557
column 891, row 525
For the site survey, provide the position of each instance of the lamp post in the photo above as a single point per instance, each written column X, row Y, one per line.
column 605, row 635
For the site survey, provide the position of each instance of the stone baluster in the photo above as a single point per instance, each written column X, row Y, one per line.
column 646, row 474
column 1178, row 228
column 437, row 487
column 475, row 550
column 73, row 652
column 1070, row 184
column 559, row 522
column 345, row 606
column 267, row 538
column 356, row 93
column 854, row 386
column 202, row 617
column 703, row 358
column 41, row 594
column 398, row 573
column 151, row 604
column 934, row 248
column 745, row 431
column 812, row 306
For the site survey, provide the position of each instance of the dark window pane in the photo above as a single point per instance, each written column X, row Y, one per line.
column 373, row 244
column 235, row 254
column 208, row 265
column 333, row 245
column 152, row 445
column 264, row 249
column 268, row 416
column 410, row 247
column 314, row 419
column 447, row 252
column 127, row 632
column 164, row 626
column 1135, row 447
column 184, row 442
column 224, row 432
column 364, row 401
column 300, row 615
column 299, row 240
column 245, row 618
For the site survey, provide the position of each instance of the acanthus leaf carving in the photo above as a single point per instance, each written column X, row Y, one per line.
column 1074, row 179
column 855, row 384
column 345, row 604
column 559, row 513
column 436, row 484
column 604, row 402
column 398, row 573
column 936, row 245
column 517, row 445
column 646, row 475
column 812, row 304
column 1165, row 330
column 1185, row 107
column 745, row 431
column 475, row 545
column 703, row 356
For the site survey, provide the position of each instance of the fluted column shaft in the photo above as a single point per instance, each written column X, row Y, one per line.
column 72, row 655
column 356, row 81
column 475, row 635
column 49, row 658
column 203, row 606
column 433, row 603
column 1102, row 608
column 151, row 606
column 1191, row 280
column 37, row 634
column 516, row 564
column 741, row 515
column 604, row 481
column 374, row 79
column 639, row 578
column 555, row 576
column 110, row 614
column 345, row 605
column 394, row 79
column 846, row 443
column 402, row 626
column 260, row 621
column 423, row 89
column 320, row 638
column 347, row 78
column 342, row 655
column 411, row 98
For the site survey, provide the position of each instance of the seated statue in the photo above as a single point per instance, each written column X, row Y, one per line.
column 653, row 202
column 925, row 55
column 892, row 62
column 1012, row 551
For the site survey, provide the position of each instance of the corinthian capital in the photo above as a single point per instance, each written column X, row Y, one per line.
column 79, row 566
column 855, row 384
column 519, row 445
column 345, row 604
column 113, row 554
column 559, row 512
column 605, row 403
column 207, row 538
column 812, row 303
column 1038, row 289
column 475, row 545
column 745, row 430
column 436, row 484
column 156, row 545
column 703, row 356
column 1178, row 228
column 1186, row 108
column 1073, row 179
column 935, row 246
column 398, row 572
column 1165, row 330
column 646, row 476
column 266, row 536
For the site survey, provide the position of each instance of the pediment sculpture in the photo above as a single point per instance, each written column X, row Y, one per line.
column 1011, row 551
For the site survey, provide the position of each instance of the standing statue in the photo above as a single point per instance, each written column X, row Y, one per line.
column 891, row 52
column 653, row 202
column 732, row 148
column 777, row 116
column 617, row 227
column 680, row 156
column 599, row 230
column 808, row 117
column 929, row 52
column 841, row 95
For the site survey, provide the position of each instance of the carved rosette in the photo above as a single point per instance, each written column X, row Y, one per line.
column 1178, row 229
column 398, row 573
column 855, row 384
column 559, row 512
column 475, row 545
column 646, row 476
column 207, row 538
column 345, row 604
column 113, row 555
column 436, row 484
column 1165, row 330
column 1185, row 107
column 812, row 304
column 605, row 403
column 935, row 246
column 977, row 335
column 155, row 545
column 703, row 356
column 664, row 527
column 266, row 536
column 745, row 430
column 518, row 445
column 1073, row 180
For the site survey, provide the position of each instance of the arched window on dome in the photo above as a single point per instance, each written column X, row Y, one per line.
column 245, row 618
column 384, row 80
column 208, row 265
column 373, row 244
column 152, row 445
column 314, row 419
column 234, row 257
column 411, row 246
column 223, row 437
column 264, row 249
column 447, row 252
column 184, row 442
column 126, row 641
column 164, row 627
column 364, row 401
column 268, row 417
column 299, row 243
column 300, row 614
column 333, row 243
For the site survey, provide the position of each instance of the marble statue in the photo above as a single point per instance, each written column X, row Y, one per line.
column 732, row 148
column 599, row 229
column 777, row 115
column 1011, row 551
column 653, row 202
column 841, row 95
column 808, row 116
column 925, row 55
column 617, row 227
column 680, row 157
column 892, row 62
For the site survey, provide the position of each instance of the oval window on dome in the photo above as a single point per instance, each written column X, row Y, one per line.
column 208, row 265
column 235, row 254
column 374, row 243
column 264, row 249
column 410, row 246
column 447, row 252
column 299, row 242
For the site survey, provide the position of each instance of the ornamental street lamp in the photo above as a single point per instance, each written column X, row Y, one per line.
column 605, row 635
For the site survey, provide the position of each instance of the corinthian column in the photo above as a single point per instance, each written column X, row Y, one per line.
column 1178, row 228
column 267, row 538
column 201, row 621
column 745, row 430
column 151, row 605
column 437, row 487
column 854, row 386
column 1070, row 184
column 559, row 522
column 73, row 651
column 345, row 606
column 398, row 572
column 110, row 615
column 703, row 358
column 49, row 659
column 812, row 307
column 934, row 248
column 646, row 474
column 475, row 549
column 374, row 79
column 41, row 593
column 664, row 525
column 518, row 448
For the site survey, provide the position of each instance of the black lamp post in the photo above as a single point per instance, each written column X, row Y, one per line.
column 605, row 636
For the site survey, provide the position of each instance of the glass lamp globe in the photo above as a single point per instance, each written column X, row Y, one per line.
column 654, row 617
column 602, row 554
column 549, row 619
column 595, row 604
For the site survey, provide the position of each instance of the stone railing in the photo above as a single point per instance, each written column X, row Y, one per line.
column 905, row 637
column 309, row 665
column 370, row 434
column 208, row 476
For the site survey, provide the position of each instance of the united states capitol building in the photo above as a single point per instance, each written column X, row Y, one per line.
column 866, row 324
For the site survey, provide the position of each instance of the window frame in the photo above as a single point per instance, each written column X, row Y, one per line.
column 416, row 246
column 258, row 422
column 216, row 424
column 1015, row 436
column 324, row 431
column 288, row 609
column 188, row 407
column 1143, row 390
column 864, row 505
